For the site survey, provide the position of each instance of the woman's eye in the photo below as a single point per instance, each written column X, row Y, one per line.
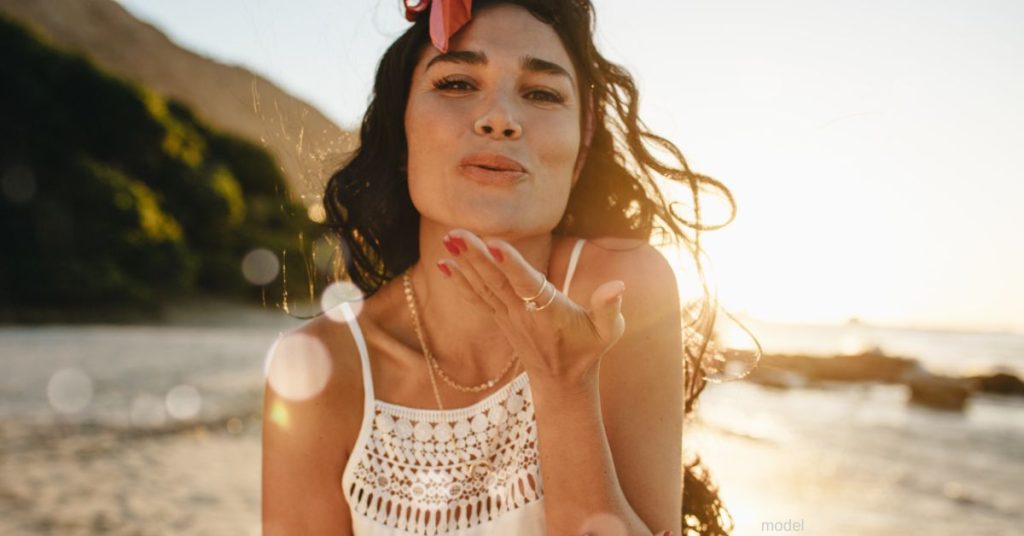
column 549, row 96
column 448, row 83
column 462, row 85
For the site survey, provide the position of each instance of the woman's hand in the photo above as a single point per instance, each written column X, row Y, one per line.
column 562, row 343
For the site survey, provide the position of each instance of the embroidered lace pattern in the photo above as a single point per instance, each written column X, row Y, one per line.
column 471, row 470
column 429, row 471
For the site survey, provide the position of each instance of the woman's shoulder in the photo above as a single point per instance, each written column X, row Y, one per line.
column 651, row 285
column 329, row 338
column 617, row 243
column 626, row 257
column 315, row 368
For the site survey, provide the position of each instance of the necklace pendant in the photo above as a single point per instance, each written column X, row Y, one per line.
column 531, row 306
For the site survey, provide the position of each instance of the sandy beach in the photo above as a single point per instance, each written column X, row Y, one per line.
column 192, row 480
column 155, row 430
column 123, row 463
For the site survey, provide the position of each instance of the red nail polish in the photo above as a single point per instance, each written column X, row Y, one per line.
column 498, row 255
column 460, row 243
column 452, row 248
column 444, row 268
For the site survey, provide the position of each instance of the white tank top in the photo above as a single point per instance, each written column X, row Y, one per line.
column 468, row 471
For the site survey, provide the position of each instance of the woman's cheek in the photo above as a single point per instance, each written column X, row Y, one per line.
column 560, row 146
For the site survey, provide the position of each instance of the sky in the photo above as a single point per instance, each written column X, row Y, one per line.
column 869, row 145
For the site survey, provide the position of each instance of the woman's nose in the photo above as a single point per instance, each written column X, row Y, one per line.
column 498, row 122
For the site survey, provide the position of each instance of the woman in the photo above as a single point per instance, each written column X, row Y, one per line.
column 503, row 375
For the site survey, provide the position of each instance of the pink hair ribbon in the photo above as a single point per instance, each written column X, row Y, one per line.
column 446, row 17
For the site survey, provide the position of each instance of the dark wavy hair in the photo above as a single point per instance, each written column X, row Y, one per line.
column 368, row 207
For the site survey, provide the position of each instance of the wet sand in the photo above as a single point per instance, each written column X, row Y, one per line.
column 191, row 480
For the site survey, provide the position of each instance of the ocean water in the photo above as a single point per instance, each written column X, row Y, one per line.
column 131, row 375
column 847, row 459
column 859, row 460
column 948, row 352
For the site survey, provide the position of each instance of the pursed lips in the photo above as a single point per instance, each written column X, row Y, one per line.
column 492, row 169
column 493, row 162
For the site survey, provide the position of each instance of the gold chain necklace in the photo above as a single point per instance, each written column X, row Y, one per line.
column 412, row 308
column 432, row 363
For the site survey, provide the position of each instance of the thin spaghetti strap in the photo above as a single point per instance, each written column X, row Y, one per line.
column 573, row 259
column 364, row 356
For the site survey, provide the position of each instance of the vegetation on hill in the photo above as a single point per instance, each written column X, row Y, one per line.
column 111, row 195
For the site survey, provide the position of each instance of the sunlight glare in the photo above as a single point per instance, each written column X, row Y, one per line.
column 341, row 292
column 297, row 366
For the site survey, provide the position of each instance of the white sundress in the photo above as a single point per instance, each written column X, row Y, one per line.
column 485, row 482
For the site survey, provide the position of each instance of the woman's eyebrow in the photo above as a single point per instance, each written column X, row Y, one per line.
column 527, row 63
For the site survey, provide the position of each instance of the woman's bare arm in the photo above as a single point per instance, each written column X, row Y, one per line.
column 611, row 453
column 303, row 453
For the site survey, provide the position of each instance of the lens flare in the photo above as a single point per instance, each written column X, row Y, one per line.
column 183, row 402
column 316, row 212
column 18, row 184
column 279, row 415
column 260, row 266
column 297, row 366
column 338, row 293
column 325, row 252
column 69, row 390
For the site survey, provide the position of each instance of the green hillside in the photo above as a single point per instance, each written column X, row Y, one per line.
column 113, row 196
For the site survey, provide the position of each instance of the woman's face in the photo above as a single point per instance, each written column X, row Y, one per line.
column 505, row 88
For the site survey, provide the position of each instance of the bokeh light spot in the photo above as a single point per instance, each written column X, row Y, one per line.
column 183, row 402
column 18, row 184
column 297, row 366
column 69, row 390
column 325, row 251
column 279, row 415
column 260, row 266
column 316, row 212
column 337, row 293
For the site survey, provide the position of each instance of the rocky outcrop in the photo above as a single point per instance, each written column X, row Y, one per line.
column 924, row 388
column 1000, row 383
column 938, row 392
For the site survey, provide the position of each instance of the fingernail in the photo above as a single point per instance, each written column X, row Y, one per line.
column 667, row 533
column 452, row 248
column 444, row 268
column 460, row 243
column 498, row 255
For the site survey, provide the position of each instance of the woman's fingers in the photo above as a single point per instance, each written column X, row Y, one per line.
column 469, row 291
column 485, row 272
column 525, row 280
column 606, row 311
column 528, row 283
column 499, row 276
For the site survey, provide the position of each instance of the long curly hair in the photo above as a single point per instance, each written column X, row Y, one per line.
column 369, row 209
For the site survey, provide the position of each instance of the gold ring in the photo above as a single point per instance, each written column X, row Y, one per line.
column 542, row 287
column 532, row 306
